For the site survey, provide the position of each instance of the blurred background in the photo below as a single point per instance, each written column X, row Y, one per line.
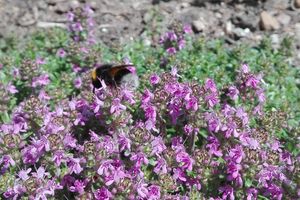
column 121, row 20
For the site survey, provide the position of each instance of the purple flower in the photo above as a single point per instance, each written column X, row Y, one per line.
column 184, row 160
column 7, row 161
column 74, row 165
column 158, row 146
column 177, row 143
column 91, row 22
column 77, row 27
column 171, row 51
column 69, row 141
column 43, row 96
column 274, row 191
column 245, row 69
column 191, row 103
column 116, row 107
column 233, row 92
column 127, row 61
column 97, row 104
column 23, row 174
column 154, row 79
column 40, row 173
column 40, row 81
column 227, row 192
column 230, row 128
column 124, row 142
column 210, row 85
column 187, row 29
column 11, row 89
column 181, row 44
column 188, row 129
column 260, row 95
column 102, row 194
column 275, row 146
column 179, row 174
column 252, row 82
column 77, row 82
column 70, row 16
column 40, row 61
column 16, row 72
column 150, row 112
column 258, row 110
column 252, row 194
column 84, row 50
column 147, row 96
column 78, row 186
column 76, row 68
column 174, row 111
column 105, row 167
column 153, row 192
column 161, row 166
column 61, row 53
column 10, row 193
column 171, row 36
column 213, row 146
column 58, row 157
column 211, row 99
column 236, row 154
column 174, row 71
column 233, row 170
column 142, row 190
column 31, row 154
column 128, row 96
column 213, row 122
column 286, row 157
column 140, row 159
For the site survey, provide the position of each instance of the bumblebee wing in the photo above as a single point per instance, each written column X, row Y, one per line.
column 114, row 70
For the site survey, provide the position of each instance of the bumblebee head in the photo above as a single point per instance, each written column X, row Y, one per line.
column 95, row 78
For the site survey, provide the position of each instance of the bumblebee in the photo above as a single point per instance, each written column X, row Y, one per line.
column 115, row 76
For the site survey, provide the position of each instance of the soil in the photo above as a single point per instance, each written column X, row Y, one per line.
column 238, row 21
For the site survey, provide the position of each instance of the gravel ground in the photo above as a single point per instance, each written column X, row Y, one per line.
column 121, row 20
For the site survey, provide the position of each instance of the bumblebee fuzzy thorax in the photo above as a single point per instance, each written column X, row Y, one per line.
column 130, row 80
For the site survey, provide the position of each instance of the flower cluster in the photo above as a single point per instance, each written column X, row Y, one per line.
column 173, row 140
column 81, row 24
column 174, row 40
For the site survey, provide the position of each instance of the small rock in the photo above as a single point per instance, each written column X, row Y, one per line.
column 27, row 20
column 74, row 4
column 42, row 5
column 62, row 7
column 239, row 32
column 54, row 1
column 228, row 27
column 218, row 15
column 297, row 3
column 182, row 6
column 275, row 39
column 297, row 32
column 246, row 20
column 276, row 4
column 284, row 19
column 147, row 17
column 268, row 22
column 93, row 4
column 198, row 25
